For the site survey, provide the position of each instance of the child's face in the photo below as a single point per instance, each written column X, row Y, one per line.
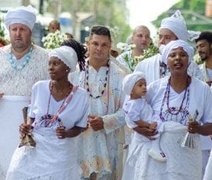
column 139, row 89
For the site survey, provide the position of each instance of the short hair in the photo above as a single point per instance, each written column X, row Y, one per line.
column 140, row 27
column 205, row 35
column 100, row 30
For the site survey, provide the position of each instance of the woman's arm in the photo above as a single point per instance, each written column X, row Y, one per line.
column 62, row 133
column 205, row 129
column 145, row 131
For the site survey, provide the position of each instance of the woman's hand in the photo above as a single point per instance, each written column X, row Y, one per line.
column 194, row 127
column 25, row 129
column 205, row 129
column 62, row 133
column 146, row 131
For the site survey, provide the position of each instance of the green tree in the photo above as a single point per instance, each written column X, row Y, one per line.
column 193, row 12
column 111, row 13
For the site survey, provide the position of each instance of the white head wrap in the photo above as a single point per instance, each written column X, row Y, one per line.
column 130, row 80
column 175, row 44
column 23, row 15
column 177, row 25
column 67, row 55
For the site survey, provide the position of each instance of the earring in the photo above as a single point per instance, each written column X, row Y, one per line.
column 67, row 70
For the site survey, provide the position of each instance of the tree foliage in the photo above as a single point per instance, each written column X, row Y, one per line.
column 111, row 13
column 193, row 12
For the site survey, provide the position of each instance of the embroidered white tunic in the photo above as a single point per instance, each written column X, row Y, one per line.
column 20, row 82
column 101, row 151
column 182, row 163
column 52, row 158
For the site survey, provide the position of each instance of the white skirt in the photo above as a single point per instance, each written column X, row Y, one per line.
column 11, row 117
column 182, row 163
column 51, row 159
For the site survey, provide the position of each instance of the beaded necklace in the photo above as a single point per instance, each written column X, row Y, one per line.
column 48, row 119
column 19, row 64
column 174, row 110
column 87, row 81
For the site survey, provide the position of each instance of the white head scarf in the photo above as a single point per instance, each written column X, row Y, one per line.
column 67, row 55
column 130, row 80
column 177, row 25
column 23, row 15
column 175, row 44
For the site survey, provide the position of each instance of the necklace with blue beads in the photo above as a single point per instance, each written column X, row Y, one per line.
column 19, row 64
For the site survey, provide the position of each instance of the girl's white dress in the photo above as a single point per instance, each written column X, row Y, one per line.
column 52, row 158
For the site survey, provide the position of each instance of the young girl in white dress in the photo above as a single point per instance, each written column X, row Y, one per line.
column 137, row 110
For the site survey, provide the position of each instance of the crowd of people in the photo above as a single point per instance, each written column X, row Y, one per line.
column 92, row 116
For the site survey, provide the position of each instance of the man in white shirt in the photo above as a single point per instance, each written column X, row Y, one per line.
column 141, row 39
column 172, row 28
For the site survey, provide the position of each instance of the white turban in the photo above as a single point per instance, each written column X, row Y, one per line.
column 176, row 44
column 177, row 25
column 130, row 80
column 23, row 15
column 67, row 55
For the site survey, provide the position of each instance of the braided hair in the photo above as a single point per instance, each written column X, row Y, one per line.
column 79, row 49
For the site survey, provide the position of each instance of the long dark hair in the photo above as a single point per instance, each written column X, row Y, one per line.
column 80, row 50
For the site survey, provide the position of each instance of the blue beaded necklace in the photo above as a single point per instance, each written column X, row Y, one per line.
column 19, row 64
column 174, row 111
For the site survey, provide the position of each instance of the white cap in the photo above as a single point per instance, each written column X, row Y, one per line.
column 129, row 81
column 177, row 25
column 23, row 15
column 175, row 44
column 67, row 55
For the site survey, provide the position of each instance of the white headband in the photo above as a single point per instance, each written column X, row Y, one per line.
column 175, row 44
column 130, row 80
column 67, row 55
column 23, row 15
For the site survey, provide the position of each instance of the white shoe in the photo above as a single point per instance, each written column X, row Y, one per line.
column 159, row 156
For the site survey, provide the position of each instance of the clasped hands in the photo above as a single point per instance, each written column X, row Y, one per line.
column 61, row 132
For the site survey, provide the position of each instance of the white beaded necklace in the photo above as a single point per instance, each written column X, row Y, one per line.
column 19, row 64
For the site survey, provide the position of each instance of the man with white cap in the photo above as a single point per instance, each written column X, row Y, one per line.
column 172, row 28
column 22, row 64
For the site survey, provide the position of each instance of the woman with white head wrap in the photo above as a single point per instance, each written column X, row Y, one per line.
column 176, row 99
column 58, row 112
